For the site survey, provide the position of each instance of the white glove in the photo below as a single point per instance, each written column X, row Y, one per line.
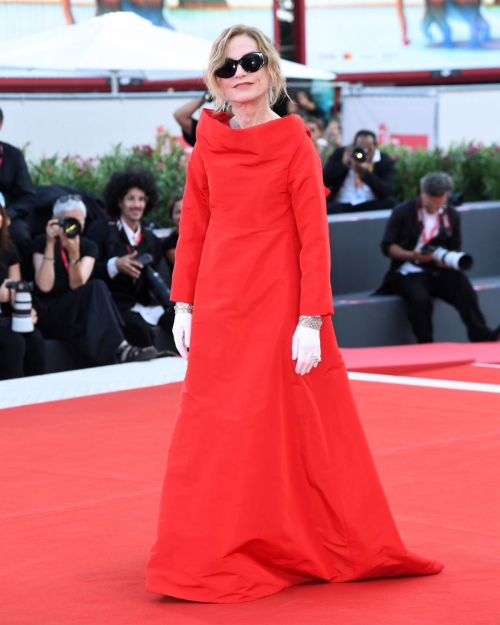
column 182, row 332
column 305, row 344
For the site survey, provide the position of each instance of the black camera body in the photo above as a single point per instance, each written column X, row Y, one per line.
column 155, row 281
column 70, row 226
column 21, row 287
column 360, row 153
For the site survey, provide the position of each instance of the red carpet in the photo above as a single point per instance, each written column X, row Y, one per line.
column 402, row 359
column 80, row 491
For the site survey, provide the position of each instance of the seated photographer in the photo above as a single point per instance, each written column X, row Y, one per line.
column 360, row 177
column 17, row 188
column 121, row 243
column 417, row 236
column 71, row 307
column 169, row 243
column 21, row 344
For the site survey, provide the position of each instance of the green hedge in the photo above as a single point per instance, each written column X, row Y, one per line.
column 166, row 160
column 475, row 169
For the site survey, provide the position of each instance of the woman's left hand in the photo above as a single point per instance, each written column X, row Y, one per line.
column 305, row 345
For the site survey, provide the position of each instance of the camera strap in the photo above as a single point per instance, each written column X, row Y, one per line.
column 64, row 256
column 443, row 219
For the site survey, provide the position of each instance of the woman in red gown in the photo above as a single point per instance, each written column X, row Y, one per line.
column 269, row 480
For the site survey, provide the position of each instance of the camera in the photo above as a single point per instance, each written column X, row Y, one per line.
column 359, row 153
column 155, row 281
column 452, row 260
column 21, row 315
column 70, row 226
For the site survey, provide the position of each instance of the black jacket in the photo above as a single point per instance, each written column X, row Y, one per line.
column 112, row 241
column 15, row 182
column 404, row 229
column 380, row 180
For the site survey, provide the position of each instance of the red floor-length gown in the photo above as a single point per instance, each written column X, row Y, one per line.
column 269, row 480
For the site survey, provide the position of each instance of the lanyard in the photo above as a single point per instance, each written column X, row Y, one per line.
column 428, row 237
column 64, row 256
column 137, row 241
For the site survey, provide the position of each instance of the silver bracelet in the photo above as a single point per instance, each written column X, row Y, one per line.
column 310, row 321
column 181, row 307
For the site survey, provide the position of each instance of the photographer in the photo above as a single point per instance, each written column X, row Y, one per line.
column 71, row 307
column 129, row 195
column 430, row 220
column 16, row 187
column 359, row 184
column 21, row 353
column 184, row 117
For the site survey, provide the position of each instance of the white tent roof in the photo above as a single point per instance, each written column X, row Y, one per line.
column 121, row 44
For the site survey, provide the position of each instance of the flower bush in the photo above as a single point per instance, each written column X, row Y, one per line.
column 474, row 168
column 166, row 159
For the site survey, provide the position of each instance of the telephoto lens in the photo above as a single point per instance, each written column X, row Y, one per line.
column 21, row 316
column 155, row 282
column 359, row 153
column 70, row 226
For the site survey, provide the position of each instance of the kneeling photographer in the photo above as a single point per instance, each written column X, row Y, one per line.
column 420, row 237
column 21, row 343
column 73, row 308
column 129, row 256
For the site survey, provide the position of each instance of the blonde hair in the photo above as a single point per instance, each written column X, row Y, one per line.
column 218, row 55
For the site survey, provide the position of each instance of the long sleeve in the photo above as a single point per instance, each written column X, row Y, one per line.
column 382, row 184
column 97, row 233
column 16, row 185
column 193, row 226
column 305, row 184
column 335, row 171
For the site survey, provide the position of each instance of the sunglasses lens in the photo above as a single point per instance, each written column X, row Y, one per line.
column 228, row 70
column 252, row 62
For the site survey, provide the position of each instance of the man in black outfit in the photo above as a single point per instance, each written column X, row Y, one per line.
column 17, row 189
column 431, row 220
column 359, row 186
column 128, row 196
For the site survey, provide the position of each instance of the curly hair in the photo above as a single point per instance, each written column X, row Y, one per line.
column 120, row 184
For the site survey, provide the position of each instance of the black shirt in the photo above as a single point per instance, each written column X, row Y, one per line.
column 8, row 256
column 170, row 243
column 61, row 281
column 15, row 182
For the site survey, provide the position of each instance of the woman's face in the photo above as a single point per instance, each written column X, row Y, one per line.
column 244, row 87
column 315, row 131
column 176, row 212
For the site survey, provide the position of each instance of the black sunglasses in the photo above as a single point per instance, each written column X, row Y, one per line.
column 251, row 62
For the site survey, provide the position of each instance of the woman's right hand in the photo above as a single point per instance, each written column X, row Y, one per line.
column 182, row 332
column 52, row 230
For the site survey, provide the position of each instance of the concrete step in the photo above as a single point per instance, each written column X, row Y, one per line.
column 364, row 320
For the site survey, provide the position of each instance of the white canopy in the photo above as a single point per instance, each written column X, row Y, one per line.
column 121, row 44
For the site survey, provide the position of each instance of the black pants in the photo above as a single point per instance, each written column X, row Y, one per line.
column 21, row 353
column 88, row 317
column 449, row 285
column 139, row 332
column 20, row 234
column 334, row 208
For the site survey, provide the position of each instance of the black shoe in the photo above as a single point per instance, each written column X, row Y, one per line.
column 130, row 353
